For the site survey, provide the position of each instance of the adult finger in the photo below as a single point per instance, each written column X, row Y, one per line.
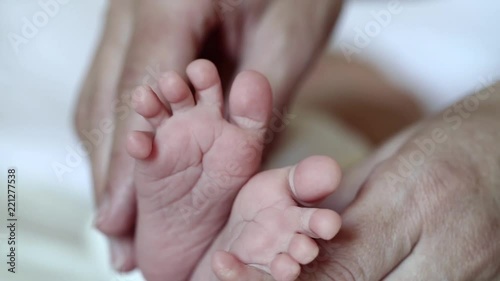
column 94, row 114
column 419, row 268
column 379, row 230
column 460, row 240
column 430, row 264
column 291, row 45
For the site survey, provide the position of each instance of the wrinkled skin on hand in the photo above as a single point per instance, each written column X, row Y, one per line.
column 278, row 38
column 428, row 207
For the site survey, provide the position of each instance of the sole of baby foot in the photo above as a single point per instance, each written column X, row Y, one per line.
column 270, row 229
column 190, row 168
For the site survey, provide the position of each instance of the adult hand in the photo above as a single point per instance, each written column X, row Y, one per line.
column 428, row 207
column 143, row 38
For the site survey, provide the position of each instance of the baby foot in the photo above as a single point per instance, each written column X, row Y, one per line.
column 267, row 227
column 189, row 170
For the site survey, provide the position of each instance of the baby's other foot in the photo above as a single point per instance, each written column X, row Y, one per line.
column 270, row 229
column 190, row 168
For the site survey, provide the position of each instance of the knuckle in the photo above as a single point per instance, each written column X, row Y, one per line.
column 346, row 270
column 444, row 184
column 338, row 268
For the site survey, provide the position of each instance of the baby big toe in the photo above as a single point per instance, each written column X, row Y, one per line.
column 314, row 179
column 250, row 101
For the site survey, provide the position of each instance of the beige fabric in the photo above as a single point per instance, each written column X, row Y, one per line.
column 55, row 240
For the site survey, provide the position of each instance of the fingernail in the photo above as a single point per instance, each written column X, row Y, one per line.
column 102, row 211
column 117, row 255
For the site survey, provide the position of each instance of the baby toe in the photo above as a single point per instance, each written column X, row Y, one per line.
column 205, row 79
column 140, row 144
column 303, row 249
column 315, row 223
column 176, row 92
column 324, row 223
column 285, row 268
column 147, row 104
